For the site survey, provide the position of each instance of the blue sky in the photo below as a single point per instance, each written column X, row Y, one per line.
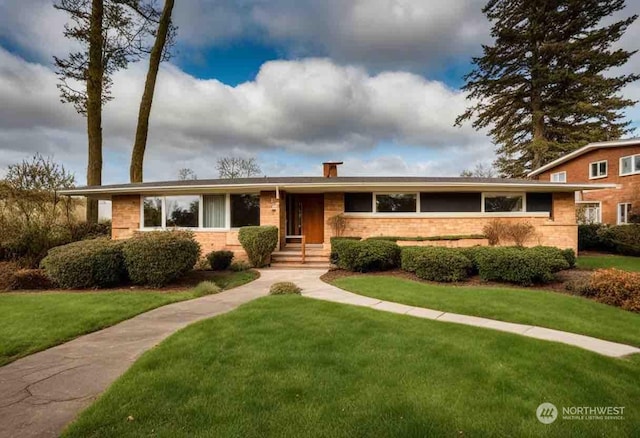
column 373, row 83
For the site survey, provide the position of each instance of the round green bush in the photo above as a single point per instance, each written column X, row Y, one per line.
column 220, row 260
column 206, row 288
column 555, row 257
column 343, row 252
column 259, row 243
column 524, row 266
column 157, row 258
column 86, row 264
column 376, row 255
column 436, row 263
column 284, row 288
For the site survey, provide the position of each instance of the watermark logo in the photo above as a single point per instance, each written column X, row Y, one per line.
column 547, row 413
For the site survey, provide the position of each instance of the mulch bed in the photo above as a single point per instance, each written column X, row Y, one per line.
column 557, row 286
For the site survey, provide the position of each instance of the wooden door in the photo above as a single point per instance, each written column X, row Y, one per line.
column 312, row 207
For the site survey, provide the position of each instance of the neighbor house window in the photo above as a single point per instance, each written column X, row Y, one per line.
column 559, row 177
column 182, row 211
column 396, row 203
column 624, row 210
column 358, row 202
column 598, row 169
column 245, row 210
column 630, row 165
column 588, row 213
column 214, row 211
column 503, row 202
column 152, row 212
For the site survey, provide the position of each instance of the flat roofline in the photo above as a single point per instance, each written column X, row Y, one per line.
column 105, row 192
column 584, row 150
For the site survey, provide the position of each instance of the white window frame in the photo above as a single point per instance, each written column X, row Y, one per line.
column 633, row 159
column 563, row 174
column 628, row 210
column 495, row 194
column 199, row 228
column 599, row 208
column 598, row 176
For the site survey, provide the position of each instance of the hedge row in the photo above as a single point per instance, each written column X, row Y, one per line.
column 619, row 239
column 155, row 259
column 518, row 265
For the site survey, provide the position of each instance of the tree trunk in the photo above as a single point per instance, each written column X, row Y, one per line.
column 95, row 74
column 137, row 155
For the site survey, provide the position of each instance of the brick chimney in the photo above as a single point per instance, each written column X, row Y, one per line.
column 330, row 168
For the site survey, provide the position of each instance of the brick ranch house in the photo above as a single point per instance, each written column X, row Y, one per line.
column 372, row 206
column 613, row 162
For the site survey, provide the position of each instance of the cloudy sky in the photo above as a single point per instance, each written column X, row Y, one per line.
column 374, row 83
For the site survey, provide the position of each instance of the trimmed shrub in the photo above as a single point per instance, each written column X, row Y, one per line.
column 89, row 230
column 516, row 265
column 157, row 258
column 376, row 255
column 344, row 252
column 259, row 243
column 239, row 266
column 621, row 239
column 86, row 264
column 616, row 288
column 206, row 288
column 220, row 260
column 428, row 238
column 472, row 253
column 570, row 256
column 436, row 263
column 589, row 238
column 555, row 257
column 30, row 279
column 284, row 288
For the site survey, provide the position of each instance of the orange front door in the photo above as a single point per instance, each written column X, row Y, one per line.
column 312, row 217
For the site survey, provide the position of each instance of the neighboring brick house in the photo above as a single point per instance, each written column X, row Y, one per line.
column 372, row 206
column 615, row 162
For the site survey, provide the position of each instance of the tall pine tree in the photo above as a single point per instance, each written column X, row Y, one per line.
column 543, row 88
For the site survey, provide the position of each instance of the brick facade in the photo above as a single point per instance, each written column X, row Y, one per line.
column 578, row 172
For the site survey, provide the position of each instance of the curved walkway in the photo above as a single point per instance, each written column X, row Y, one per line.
column 313, row 287
column 41, row 393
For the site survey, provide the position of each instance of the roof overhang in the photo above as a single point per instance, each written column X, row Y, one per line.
column 583, row 150
column 107, row 192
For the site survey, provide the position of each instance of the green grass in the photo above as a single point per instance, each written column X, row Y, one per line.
column 547, row 309
column 290, row 366
column 32, row 322
column 626, row 263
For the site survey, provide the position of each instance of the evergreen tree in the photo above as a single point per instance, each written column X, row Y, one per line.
column 543, row 88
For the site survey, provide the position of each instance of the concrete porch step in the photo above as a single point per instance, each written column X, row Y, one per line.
column 298, row 265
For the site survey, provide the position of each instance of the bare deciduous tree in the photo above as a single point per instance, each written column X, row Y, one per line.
column 235, row 167
column 185, row 174
column 480, row 171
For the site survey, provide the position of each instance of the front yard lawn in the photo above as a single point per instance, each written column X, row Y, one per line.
column 547, row 309
column 290, row 366
column 626, row 263
column 31, row 322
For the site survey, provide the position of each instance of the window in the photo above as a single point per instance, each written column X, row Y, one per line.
column 445, row 202
column 503, row 202
column 623, row 213
column 598, row 169
column 358, row 202
column 630, row 165
column 182, row 211
column 539, row 202
column 214, row 211
column 396, row 203
column 245, row 210
column 588, row 213
column 152, row 212
column 560, row 177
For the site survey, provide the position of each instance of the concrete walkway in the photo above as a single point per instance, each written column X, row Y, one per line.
column 313, row 287
column 41, row 393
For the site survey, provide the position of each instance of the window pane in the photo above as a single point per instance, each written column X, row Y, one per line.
column 502, row 203
column 245, row 210
column 396, row 203
column 152, row 212
column 637, row 164
column 358, row 202
column 182, row 211
column 603, row 168
column 626, row 165
column 594, row 169
column 213, row 211
column 450, row 202
column 539, row 202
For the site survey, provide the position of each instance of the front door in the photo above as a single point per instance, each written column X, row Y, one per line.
column 309, row 211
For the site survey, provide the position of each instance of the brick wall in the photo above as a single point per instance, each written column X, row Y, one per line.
column 578, row 172
column 272, row 212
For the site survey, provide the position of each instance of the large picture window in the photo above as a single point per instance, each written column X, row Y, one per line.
column 358, row 202
column 503, row 202
column 182, row 211
column 396, row 203
column 152, row 212
column 245, row 210
column 446, row 202
column 214, row 211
